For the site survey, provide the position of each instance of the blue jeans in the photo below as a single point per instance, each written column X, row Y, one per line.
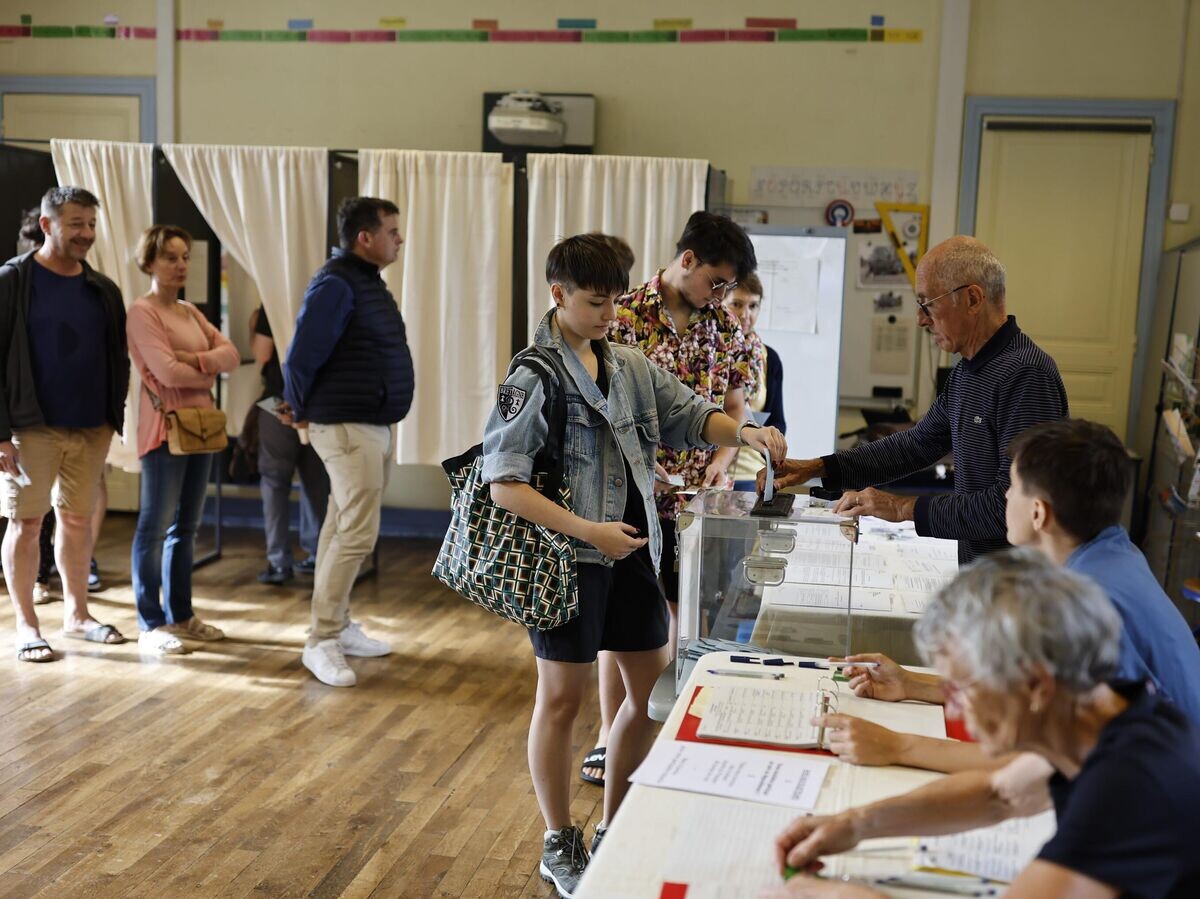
column 172, row 500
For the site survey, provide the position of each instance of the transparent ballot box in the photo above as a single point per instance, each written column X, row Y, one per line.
column 809, row 584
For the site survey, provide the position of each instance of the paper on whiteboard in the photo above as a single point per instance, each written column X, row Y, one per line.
column 836, row 576
column 823, row 597
column 774, row 778
column 790, row 288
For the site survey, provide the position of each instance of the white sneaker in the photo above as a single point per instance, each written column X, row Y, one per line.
column 328, row 664
column 356, row 643
column 42, row 594
column 161, row 642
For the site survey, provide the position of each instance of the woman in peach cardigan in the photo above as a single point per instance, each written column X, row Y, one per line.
column 178, row 354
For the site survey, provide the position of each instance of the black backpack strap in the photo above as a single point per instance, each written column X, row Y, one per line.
column 552, row 458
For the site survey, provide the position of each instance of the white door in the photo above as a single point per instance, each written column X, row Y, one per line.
column 1062, row 203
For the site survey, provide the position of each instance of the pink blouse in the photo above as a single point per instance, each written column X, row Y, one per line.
column 154, row 335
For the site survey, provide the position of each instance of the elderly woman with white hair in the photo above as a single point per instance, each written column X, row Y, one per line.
column 1028, row 650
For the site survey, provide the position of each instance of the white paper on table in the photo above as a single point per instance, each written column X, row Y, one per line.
column 837, row 577
column 788, row 779
column 869, row 524
column 943, row 550
column 835, row 558
column 738, row 863
column 825, row 597
column 922, row 583
column 760, row 715
column 999, row 852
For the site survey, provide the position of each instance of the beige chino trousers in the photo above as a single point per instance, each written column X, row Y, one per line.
column 358, row 458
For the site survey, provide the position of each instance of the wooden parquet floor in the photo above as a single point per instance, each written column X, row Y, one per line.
column 232, row 772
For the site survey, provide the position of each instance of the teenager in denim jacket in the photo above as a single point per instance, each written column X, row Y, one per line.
column 620, row 407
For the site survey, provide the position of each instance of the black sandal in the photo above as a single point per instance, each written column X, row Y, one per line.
column 594, row 759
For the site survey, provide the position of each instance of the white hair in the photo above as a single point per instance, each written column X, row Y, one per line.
column 972, row 263
column 1015, row 613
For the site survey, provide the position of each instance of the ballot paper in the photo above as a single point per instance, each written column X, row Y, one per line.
column 785, row 779
column 1000, row 852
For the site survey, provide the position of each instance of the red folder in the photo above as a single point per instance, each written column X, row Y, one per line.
column 956, row 729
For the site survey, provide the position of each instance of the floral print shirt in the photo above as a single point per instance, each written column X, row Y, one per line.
column 711, row 357
column 758, row 363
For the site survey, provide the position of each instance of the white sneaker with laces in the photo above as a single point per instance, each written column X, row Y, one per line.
column 328, row 664
column 355, row 642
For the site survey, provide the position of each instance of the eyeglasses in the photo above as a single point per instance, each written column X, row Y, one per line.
column 924, row 305
column 719, row 289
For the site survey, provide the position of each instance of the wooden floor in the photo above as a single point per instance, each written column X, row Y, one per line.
column 232, row 772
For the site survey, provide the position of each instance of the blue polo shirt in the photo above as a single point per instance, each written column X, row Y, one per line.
column 1157, row 643
column 67, row 326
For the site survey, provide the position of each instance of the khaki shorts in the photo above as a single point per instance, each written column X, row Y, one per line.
column 67, row 461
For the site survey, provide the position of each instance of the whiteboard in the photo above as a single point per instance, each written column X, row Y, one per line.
column 803, row 271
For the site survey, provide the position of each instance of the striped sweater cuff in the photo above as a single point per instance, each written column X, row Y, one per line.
column 921, row 515
column 832, row 479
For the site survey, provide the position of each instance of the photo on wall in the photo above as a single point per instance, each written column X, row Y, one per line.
column 879, row 266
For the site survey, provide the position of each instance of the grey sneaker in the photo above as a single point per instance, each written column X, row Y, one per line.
column 563, row 859
column 601, row 830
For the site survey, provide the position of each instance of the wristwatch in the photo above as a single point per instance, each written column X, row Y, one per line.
column 748, row 423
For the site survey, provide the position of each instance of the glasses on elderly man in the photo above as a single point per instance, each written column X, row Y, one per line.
column 924, row 304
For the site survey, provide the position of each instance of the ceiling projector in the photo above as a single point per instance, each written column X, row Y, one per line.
column 527, row 119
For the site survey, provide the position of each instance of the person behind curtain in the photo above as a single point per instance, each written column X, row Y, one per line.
column 280, row 455
column 764, row 390
column 178, row 354
column 62, row 392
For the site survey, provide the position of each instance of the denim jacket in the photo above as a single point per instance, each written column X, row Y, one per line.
column 646, row 406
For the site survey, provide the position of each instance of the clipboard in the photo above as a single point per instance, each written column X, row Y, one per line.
column 687, row 734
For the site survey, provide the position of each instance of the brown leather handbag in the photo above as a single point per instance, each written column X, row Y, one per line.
column 194, row 430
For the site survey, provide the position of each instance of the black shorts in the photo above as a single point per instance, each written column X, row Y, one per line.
column 670, row 574
column 620, row 609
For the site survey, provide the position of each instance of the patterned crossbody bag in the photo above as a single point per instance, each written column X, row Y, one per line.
column 520, row 570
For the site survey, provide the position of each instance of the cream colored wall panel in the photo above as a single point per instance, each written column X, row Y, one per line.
column 1075, row 48
column 45, row 116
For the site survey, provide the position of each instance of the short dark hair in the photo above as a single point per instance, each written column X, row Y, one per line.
column 57, row 197
column 623, row 250
column 154, row 240
column 31, row 227
column 361, row 214
column 752, row 284
column 1080, row 468
column 718, row 240
column 587, row 261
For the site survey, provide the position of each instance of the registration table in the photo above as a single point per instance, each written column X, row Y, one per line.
column 671, row 844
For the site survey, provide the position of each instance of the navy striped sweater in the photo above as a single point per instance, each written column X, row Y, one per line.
column 1009, row 385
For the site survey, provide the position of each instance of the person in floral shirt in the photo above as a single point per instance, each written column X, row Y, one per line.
column 677, row 320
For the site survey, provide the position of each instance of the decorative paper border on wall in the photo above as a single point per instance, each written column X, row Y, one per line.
column 568, row 31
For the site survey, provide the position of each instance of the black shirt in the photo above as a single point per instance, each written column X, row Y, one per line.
column 272, row 374
column 1128, row 818
column 635, row 510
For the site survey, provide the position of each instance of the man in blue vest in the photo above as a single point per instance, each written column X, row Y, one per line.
column 348, row 378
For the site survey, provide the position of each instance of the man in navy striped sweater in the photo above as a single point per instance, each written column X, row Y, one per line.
column 1002, row 384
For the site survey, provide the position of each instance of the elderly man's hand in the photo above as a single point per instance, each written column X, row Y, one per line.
column 870, row 501
column 791, row 472
column 861, row 742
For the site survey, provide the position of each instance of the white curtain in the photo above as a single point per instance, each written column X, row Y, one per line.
column 268, row 207
column 121, row 177
column 453, row 284
column 644, row 200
